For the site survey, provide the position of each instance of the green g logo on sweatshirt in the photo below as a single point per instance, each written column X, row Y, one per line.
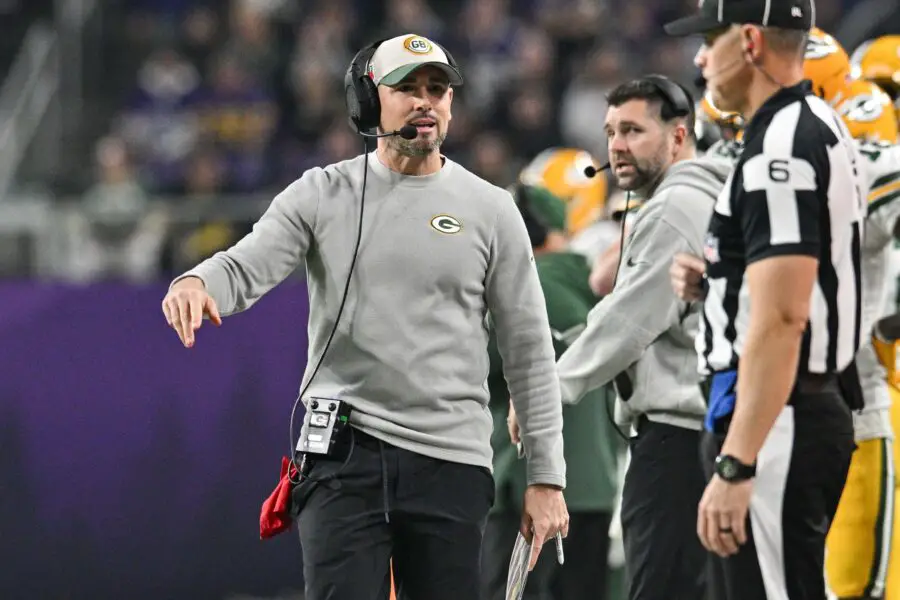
column 446, row 224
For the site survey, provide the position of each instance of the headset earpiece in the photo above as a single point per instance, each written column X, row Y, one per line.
column 678, row 99
column 449, row 57
column 360, row 92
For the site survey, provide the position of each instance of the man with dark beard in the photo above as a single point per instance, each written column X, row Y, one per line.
column 641, row 336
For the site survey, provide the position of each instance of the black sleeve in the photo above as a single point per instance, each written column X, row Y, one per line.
column 780, row 201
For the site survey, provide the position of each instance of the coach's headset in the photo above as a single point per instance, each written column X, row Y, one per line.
column 677, row 101
column 364, row 112
column 361, row 93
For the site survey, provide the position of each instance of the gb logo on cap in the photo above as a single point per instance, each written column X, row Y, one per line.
column 417, row 45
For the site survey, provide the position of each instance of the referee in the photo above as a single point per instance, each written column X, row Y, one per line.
column 781, row 318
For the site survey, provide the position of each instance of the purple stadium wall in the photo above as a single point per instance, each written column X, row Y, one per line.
column 131, row 466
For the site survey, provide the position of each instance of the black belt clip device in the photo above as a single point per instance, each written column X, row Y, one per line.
column 325, row 420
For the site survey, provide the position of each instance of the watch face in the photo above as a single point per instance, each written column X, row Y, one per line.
column 729, row 469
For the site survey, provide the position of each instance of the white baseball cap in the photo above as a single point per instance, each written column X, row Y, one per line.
column 397, row 57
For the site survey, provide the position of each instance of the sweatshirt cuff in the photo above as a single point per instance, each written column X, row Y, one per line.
column 196, row 272
column 185, row 276
column 539, row 477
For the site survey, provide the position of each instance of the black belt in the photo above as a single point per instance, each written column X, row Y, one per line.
column 806, row 383
column 846, row 384
column 816, row 383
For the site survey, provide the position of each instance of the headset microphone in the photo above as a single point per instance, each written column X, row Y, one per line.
column 591, row 171
column 407, row 132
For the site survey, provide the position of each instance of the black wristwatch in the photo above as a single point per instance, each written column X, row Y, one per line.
column 732, row 470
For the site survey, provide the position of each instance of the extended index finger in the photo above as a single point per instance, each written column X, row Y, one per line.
column 196, row 312
column 185, row 323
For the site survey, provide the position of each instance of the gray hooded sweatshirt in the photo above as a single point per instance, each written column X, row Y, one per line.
column 641, row 335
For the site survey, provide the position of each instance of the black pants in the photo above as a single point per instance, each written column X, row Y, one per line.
column 427, row 514
column 583, row 576
column 663, row 486
column 801, row 470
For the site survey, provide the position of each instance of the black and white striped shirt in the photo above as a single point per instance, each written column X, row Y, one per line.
column 798, row 188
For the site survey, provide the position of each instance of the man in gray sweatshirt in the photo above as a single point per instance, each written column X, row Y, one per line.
column 440, row 248
column 642, row 337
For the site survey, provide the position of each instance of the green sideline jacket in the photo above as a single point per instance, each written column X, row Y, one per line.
column 591, row 443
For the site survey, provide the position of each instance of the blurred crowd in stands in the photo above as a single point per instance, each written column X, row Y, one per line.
column 236, row 97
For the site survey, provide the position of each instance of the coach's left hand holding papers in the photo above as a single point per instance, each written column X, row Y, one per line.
column 544, row 511
column 543, row 515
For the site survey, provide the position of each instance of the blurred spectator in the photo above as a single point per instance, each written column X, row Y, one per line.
column 463, row 126
column 675, row 58
column 252, row 44
column 412, row 16
column 117, row 197
column 635, row 24
column 573, row 23
column 237, row 116
column 487, row 36
column 210, row 227
column 335, row 143
column 259, row 83
column 157, row 123
column 492, row 159
column 323, row 38
column 533, row 127
column 534, row 58
column 205, row 176
column 317, row 100
column 156, row 21
column 338, row 143
column 117, row 234
column 585, row 99
column 201, row 35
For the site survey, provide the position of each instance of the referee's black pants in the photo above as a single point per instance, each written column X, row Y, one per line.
column 428, row 515
column 664, row 559
column 800, row 474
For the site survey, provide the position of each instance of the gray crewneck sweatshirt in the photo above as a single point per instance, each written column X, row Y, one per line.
column 438, row 253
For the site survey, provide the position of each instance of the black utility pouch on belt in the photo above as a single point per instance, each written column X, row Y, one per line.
column 851, row 387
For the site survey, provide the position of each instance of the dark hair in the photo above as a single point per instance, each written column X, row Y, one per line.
column 789, row 42
column 650, row 91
